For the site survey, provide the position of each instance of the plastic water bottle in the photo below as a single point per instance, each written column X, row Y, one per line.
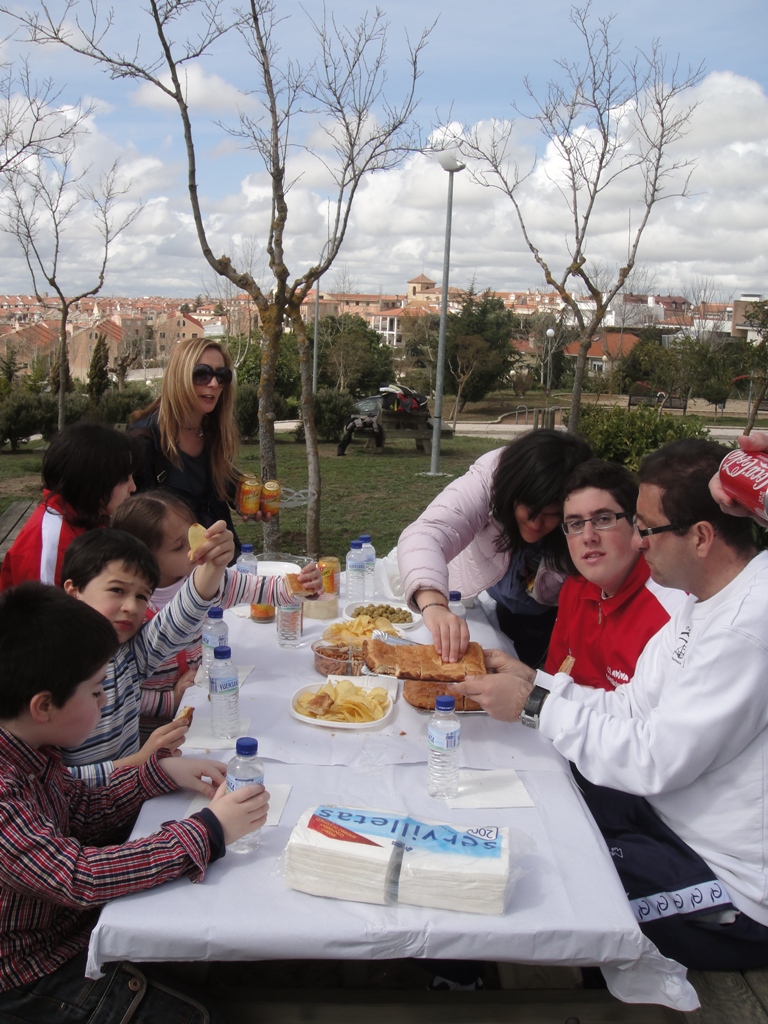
column 247, row 562
column 245, row 769
column 444, row 735
column 455, row 605
column 215, row 634
column 224, row 694
column 355, row 572
column 369, row 553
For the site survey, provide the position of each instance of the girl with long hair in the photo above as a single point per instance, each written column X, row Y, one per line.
column 189, row 435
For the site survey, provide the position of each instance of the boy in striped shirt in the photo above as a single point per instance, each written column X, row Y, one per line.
column 115, row 573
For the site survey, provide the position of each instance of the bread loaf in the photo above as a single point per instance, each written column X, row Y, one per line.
column 421, row 694
column 422, row 662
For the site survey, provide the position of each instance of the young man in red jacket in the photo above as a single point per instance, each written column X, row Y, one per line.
column 608, row 613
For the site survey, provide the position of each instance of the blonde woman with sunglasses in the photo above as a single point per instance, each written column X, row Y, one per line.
column 189, row 434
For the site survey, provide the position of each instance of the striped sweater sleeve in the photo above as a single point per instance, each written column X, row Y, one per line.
column 117, row 734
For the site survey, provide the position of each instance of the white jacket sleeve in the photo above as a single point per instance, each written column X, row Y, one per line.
column 677, row 719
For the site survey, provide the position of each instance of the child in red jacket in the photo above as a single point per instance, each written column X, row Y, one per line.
column 87, row 472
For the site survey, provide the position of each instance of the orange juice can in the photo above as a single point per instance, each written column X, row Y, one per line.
column 249, row 495
column 331, row 569
column 271, row 492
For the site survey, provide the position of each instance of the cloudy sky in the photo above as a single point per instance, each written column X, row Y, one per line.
column 473, row 70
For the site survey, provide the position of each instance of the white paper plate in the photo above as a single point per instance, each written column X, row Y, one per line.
column 416, row 621
column 364, row 682
column 276, row 568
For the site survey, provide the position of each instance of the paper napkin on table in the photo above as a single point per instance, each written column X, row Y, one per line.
column 200, row 736
column 278, row 795
column 500, row 787
column 243, row 671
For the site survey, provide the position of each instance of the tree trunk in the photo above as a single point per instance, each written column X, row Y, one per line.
column 578, row 377
column 272, row 329
column 63, row 371
column 759, row 397
column 310, row 435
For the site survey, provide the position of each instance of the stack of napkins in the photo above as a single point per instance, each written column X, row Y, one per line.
column 456, row 869
column 343, row 853
column 381, row 857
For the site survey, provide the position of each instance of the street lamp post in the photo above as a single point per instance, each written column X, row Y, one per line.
column 452, row 166
column 550, row 338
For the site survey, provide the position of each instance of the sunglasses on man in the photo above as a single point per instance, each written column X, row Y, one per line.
column 204, row 374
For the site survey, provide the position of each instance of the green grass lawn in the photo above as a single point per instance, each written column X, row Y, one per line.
column 362, row 493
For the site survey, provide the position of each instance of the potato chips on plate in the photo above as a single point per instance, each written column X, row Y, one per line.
column 354, row 631
column 341, row 703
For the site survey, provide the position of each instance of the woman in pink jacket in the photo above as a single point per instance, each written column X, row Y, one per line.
column 497, row 529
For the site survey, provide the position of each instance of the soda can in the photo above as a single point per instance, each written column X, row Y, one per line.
column 744, row 477
column 330, row 569
column 270, row 497
column 249, row 495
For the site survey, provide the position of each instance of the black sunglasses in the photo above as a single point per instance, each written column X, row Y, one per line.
column 204, row 374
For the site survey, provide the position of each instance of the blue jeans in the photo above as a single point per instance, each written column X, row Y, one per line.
column 123, row 994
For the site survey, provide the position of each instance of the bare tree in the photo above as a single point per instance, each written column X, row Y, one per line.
column 31, row 123
column 608, row 120
column 44, row 194
column 241, row 318
column 342, row 90
column 709, row 310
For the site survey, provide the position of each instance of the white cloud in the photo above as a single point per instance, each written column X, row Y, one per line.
column 203, row 91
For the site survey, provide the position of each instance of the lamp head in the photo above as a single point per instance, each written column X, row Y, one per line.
column 449, row 162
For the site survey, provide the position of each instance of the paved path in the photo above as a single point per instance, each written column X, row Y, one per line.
column 506, row 431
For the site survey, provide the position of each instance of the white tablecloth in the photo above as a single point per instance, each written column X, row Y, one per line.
column 568, row 907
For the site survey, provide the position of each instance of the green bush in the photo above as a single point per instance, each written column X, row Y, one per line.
column 116, row 406
column 626, row 435
column 333, row 410
column 77, row 407
column 286, row 408
column 247, row 410
column 20, row 417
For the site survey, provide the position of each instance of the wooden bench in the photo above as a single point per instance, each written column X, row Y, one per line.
column 11, row 522
column 670, row 402
column 730, row 997
column 411, row 424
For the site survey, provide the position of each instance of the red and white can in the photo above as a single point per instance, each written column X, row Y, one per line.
column 744, row 477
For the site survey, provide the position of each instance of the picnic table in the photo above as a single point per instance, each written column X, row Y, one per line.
column 568, row 907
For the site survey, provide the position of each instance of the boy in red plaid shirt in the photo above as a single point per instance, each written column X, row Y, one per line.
column 62, row 848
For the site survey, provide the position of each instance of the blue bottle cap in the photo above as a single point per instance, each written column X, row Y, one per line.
column 246, row 549
column 454, row 595
column 356, row 544
column 247, row 746
column 226, row 652
column 365, row 538
column 442, row 703
column 215, row 613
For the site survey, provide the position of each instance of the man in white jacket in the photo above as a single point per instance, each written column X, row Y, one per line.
column 673, row 764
